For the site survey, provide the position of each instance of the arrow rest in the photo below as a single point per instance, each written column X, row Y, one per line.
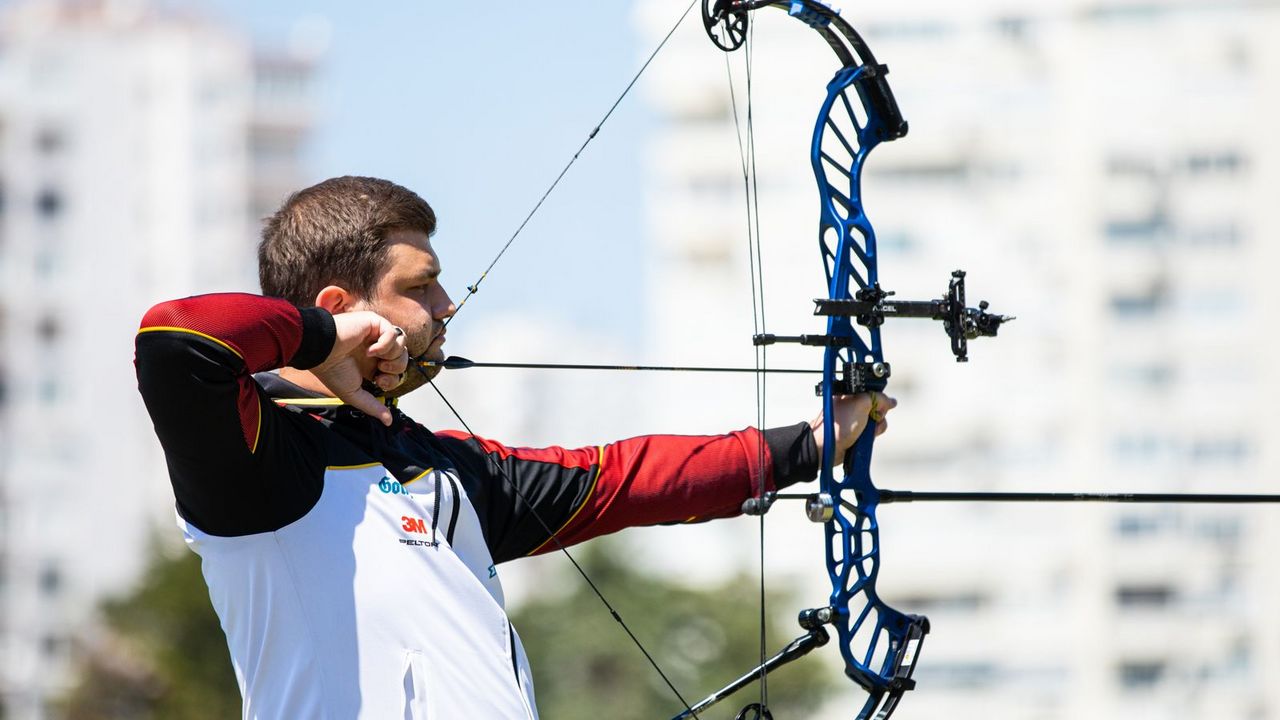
column 858, row 377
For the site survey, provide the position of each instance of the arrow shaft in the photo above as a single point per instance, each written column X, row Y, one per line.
column 577, row 366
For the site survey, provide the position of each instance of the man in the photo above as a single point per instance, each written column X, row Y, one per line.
column 350, row 552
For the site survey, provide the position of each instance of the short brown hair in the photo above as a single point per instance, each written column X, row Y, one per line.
column 334, row 233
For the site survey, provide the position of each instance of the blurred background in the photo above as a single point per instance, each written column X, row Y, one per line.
column 1106, row 170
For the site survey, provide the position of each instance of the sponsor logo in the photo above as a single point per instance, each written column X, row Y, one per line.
column 391, row 487
column 418, row 526
column 413, row 524
column 493, row 571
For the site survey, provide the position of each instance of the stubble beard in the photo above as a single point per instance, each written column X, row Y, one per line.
column 415, row 376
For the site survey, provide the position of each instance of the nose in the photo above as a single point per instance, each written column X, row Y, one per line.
column 444, row 307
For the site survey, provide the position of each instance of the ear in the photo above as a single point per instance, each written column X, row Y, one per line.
column 335, row 300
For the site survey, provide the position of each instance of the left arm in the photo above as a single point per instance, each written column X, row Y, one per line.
column 587, row 492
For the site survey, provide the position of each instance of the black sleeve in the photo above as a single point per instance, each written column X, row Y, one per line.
column 794, row 454
column 238, row 463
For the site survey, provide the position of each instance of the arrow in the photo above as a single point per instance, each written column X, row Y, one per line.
column 455, row 362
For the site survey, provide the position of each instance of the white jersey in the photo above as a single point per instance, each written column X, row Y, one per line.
column 350, row 612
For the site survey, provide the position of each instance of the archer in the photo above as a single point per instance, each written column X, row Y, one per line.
column 349, row 551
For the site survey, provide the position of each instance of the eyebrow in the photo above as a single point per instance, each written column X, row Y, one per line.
column 431, row 274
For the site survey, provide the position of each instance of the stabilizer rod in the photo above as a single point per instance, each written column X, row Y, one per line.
column 796, row 649
column 889, row 496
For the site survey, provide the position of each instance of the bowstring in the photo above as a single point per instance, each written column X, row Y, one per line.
column 755, row 264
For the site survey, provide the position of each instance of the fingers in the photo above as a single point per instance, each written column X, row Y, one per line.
column 393, row 356
column 881, row 404
column 368, row 404
column 388, row 381
column 390, row 345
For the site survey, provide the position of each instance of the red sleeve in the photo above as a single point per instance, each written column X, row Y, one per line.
column 261, row 334
column 264, row 332
column 670, row 478
column 579, row 494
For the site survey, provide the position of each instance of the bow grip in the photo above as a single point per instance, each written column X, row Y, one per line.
column 862, row 445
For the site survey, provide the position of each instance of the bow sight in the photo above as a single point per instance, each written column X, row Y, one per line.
column 871, row 306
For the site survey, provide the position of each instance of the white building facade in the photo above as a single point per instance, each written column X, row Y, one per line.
column 128, row 145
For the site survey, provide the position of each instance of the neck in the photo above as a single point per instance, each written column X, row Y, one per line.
column 304, row 380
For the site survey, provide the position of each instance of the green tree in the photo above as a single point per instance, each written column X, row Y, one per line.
column 585, row 667
column 162, row 654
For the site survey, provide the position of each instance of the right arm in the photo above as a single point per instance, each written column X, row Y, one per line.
column 238, row 464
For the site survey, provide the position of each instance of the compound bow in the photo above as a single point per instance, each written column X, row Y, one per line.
column 879, row 644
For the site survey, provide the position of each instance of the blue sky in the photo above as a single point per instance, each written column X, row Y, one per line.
column 477, row 106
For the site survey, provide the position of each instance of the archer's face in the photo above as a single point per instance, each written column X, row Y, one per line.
column 409, row 293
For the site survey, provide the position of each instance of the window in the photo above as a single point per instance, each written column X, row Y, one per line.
column 1143, row 303
column 952, row 602
column 1147, row 230
column 1222, row 234
column 1138, row 448
column 48, row 390
column 1145, row 596
column 50, row 141
column 960, row 675
column 1013, row 27
column 48, row 329
column 1224, row 530
column 1142, row 674
column 1225, row 162
column 50, row 580
column 924, row 30
column 49, row 204
column 1149, row 375
column 1135, row 526
column 897, row 242
column 53, row 646
column 1227, row 450
column 1121, row 166
column 935, row 172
